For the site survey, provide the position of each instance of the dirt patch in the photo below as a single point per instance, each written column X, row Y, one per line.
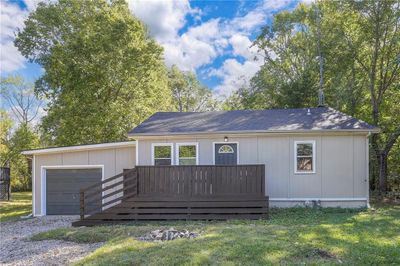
column 320, row 253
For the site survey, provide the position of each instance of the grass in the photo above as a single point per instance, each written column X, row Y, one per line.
column 291, row 236
column 20, row 204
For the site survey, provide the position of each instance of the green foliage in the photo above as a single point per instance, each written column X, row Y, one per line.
column 291, row 236
column 189, row 95
column 359, row 43
column 24, row 138
column 5, row 133
column 103, row 73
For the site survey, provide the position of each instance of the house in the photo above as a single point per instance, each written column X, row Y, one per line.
column 315, row 155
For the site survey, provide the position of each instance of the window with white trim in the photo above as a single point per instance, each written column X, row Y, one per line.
column 226, row 149
column 162, row 154
column 187, row 154
column 304, row 156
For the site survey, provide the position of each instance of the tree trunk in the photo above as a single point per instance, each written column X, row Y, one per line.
column 382, row 159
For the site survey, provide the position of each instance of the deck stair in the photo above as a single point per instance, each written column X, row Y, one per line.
column 176, row 193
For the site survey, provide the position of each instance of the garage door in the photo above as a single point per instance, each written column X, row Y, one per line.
column 62, row 188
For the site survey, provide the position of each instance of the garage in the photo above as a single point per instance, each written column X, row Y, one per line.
column 63, row 186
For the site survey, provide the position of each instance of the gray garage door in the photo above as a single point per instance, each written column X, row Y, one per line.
column 62, row 188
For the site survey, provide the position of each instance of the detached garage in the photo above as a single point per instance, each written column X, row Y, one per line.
column 59, row 173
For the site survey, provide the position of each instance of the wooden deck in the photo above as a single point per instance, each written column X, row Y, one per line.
column 204, row 192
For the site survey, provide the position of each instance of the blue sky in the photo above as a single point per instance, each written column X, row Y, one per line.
column 211, row 38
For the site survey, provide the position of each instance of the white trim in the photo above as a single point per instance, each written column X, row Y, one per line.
column 177, row 145
column 313, row 156
column 80, row 148
column 33, row 185
column 162, row 144
column 247, row 132
column 43, row 169
column 228, row 142
column 321, row 199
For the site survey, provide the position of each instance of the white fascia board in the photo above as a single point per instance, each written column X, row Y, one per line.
column 247, row 133
column 80, row 148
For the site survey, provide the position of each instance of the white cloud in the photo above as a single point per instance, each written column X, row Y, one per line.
column 234, row 75
column 198, row 46
column 241, row 46
column 164, row 18
column 12, row 18
column 10, row 58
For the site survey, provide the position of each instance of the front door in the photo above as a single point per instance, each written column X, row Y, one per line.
column 225, row 153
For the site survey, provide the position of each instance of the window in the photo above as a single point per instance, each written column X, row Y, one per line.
column 187, row 154
column 304, row 156
column 226, row 149
column 162, row 154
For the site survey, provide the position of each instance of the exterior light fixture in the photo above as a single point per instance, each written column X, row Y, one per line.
column 225, row 139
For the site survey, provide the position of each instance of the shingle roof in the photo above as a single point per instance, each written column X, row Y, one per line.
column 272, row 120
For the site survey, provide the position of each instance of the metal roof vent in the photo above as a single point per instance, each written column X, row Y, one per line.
column 308, row 111
column 321, row 98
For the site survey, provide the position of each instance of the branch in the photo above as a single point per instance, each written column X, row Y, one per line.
column 391, row 141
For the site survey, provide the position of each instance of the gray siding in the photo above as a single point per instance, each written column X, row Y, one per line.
column 341, row 163
column 113, row 159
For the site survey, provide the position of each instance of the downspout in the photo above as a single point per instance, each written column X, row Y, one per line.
column 367, row 166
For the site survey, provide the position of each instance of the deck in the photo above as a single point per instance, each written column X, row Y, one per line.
column 202, row 192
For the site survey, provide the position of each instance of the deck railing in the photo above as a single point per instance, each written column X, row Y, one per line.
column 180, row 182
column 201, row 180
column 108, row 193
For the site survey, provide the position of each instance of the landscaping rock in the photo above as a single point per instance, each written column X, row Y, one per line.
column 167, row 235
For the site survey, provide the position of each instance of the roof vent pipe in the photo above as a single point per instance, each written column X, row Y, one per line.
column 308, row 111
column 321, row 98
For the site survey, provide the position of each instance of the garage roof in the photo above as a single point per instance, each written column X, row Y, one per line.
column 83, row 147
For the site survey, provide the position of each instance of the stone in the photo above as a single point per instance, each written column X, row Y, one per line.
column 168, row 235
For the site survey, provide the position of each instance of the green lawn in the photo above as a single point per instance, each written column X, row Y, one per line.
column 19, row 205
column 291, row 236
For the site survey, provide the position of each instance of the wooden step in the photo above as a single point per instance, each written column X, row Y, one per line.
column 145, row 208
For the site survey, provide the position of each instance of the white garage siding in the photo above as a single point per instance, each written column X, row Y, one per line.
column 111, row 157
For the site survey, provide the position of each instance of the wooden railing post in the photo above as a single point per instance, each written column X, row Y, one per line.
column 263, row 179
column 82, row 204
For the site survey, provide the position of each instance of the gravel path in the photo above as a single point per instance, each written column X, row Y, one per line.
column 17, row 249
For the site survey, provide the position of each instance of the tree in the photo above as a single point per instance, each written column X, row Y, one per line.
column 24, row 138
column 189, row 95
column 103, row 73
column 359, row 41
column 5, row 134
column 25, row 106
column 20, row 97
column 373, row 43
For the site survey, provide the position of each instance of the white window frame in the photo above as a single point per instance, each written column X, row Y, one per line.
column 312, row 142
column 153, row 145
column 229, row 142
column 43, row 179
column 196, row 144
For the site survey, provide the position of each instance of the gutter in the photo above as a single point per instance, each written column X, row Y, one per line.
column 254, row 132
column 80, row 148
